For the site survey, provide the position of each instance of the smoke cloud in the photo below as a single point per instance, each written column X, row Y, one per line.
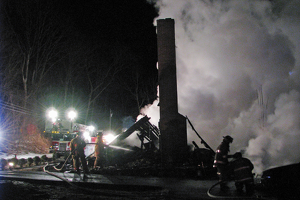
column 238, row 74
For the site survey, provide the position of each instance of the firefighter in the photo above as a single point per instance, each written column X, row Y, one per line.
column 242, row 170
column 221, row 162
column 77, row 148
column 99, row 151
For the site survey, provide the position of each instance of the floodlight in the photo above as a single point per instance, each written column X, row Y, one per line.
column 72, row 115
column 86, row 136
column 52, row 114
column 108, row 138
column 91, row 128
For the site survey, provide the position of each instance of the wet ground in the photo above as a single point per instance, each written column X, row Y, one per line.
column 40, row 185
column 12, row 190
column 43, row 183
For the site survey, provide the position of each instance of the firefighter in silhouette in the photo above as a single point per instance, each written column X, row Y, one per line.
column 221, row 161
column 99, row 151
column 77, row 148
column 242, row 170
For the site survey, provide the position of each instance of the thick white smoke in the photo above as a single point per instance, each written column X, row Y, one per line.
column 238, row 74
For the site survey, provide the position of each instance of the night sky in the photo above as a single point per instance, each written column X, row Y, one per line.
column 109, row 43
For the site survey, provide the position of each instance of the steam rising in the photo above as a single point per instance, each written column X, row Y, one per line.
column 238, row 74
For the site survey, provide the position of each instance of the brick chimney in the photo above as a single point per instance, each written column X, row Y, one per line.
column 173, row 130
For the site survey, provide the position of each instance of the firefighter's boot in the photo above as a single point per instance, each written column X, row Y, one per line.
column 85, row 177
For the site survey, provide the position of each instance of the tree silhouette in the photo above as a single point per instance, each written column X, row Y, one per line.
column 66, row 54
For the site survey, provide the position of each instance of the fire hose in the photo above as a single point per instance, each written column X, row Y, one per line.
column 55, row 175
column 68, row 159
column 74, row 186
column 50, row 173
column 64, row 162
column 215, row 196
column 228, row 196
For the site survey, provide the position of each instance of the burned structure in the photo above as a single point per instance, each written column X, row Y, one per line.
column 145, row 132
column 172, row 125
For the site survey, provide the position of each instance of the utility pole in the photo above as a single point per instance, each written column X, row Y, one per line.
column 110, row 116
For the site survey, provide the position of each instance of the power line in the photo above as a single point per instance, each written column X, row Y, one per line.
column 15, row 108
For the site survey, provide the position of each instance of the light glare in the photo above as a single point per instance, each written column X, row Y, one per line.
column 86, row 135
column 91, row 128
column 52, row 114
column 72, row 114
column 108, row 138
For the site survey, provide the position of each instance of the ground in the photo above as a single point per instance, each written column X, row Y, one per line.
column 11, row 190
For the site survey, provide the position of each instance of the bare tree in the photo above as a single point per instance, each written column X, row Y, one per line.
column 10, row 110
column 139, row 87
column 32, row 44
column 101, row 74
column 69, row 75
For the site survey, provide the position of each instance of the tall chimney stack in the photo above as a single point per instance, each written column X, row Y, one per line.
column 173, row 138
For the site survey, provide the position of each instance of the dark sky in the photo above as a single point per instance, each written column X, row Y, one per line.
column 119, row 23
column 94, row 37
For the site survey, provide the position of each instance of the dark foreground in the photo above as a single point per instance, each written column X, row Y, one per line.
column 41, row 185
column 11, row 190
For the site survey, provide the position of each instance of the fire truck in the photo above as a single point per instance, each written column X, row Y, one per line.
column 61, row 132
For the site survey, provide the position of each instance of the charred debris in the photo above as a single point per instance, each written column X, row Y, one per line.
column 146, row 160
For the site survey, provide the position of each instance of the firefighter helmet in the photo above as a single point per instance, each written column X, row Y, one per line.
column 237, row 155
column 100, row 133
column 229, row 138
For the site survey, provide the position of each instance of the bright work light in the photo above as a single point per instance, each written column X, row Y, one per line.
column 108, row 138
column 72, row 115
column 86, row 136
column 52, row 114
column 91, row 128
